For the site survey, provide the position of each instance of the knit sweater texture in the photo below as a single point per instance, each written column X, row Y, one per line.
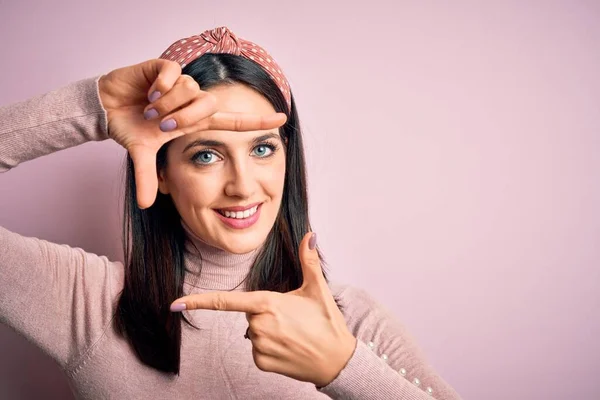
column 62, row 299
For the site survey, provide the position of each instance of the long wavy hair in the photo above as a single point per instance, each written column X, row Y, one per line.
column 154, row 239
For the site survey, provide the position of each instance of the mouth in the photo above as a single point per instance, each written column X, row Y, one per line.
column 240, row 217
column 238, row 213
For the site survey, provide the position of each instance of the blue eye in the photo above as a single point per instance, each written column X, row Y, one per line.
column 205, row 157
column 264, row 150
column 209, row 156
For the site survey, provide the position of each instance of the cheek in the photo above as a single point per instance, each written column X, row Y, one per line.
column 276, row 178
column 192, row 190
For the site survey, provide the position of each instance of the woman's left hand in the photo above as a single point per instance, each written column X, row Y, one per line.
column 301, row 334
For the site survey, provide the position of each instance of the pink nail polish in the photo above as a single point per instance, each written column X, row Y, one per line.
column 312, row 243
column 178, row 307
column 154, row 96
column 151, row 113
column 168, row 125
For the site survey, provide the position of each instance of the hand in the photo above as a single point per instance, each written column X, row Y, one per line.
column 128, row 94
column 300, row 334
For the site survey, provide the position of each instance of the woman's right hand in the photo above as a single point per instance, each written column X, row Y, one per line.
column 129, row 94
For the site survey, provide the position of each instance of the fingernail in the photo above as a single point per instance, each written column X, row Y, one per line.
column 312, row 243
column 154, row 96
column 168, row 125
column 151, row 113
column 177, row 307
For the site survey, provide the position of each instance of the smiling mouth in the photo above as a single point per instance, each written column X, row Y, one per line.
column 239, row 214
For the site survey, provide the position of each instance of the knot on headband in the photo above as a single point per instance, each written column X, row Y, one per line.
column 222, row 41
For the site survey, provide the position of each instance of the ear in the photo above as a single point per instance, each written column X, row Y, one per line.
column 162, row 182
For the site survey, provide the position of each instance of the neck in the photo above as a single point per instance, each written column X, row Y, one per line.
column 211, row 268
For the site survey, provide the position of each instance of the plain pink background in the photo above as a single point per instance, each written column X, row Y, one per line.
column 452, row 155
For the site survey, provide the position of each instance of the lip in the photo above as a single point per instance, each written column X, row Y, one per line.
column 239, row 208
column 240, row 223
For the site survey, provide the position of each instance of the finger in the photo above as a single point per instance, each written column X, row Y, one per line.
column 146, row 181
column 312, row 271
column 183, row 92
column 249, row 302
column 314, row 284
column 265, row 346
column 227, row 121
column 264, row 362
column 202, row 106
column 163, row 74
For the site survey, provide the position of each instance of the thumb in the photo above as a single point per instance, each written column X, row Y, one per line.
column 310, row 261
column 146, row 180
column 314, row 284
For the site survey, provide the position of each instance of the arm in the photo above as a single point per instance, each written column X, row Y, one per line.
column 54, row 121
column 59, row 298
column 403, row 373
column 62, row 298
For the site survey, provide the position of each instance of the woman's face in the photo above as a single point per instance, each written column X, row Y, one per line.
column 228, row 185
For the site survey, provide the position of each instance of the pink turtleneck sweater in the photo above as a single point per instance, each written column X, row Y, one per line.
column 62, row 300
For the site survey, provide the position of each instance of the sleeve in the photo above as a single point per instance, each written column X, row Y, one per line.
column 387, row 363
column 59, row 298
column 54, row 121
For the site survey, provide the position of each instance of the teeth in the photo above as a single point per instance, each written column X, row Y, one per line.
column 240, row 214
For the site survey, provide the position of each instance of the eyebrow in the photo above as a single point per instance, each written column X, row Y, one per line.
column 216, row 143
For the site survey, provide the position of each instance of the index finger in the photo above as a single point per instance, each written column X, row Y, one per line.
column 256, row 302
column 229, row 121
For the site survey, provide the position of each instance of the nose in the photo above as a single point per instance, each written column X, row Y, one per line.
column 241, row 181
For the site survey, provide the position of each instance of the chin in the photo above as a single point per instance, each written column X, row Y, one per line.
column 241, row 245
column 243, row 235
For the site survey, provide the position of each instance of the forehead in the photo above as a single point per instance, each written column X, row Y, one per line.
column 240, row 98
column 235, row 98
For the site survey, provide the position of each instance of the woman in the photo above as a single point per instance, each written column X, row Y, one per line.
column 217, row 242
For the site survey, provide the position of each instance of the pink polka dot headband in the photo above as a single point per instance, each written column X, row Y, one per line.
column 222, row 40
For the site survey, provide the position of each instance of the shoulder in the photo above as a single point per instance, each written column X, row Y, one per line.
column 350, row 295
column 357, row 304
column 366, row 317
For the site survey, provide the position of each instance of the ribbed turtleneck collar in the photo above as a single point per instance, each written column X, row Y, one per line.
column 218, row 269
